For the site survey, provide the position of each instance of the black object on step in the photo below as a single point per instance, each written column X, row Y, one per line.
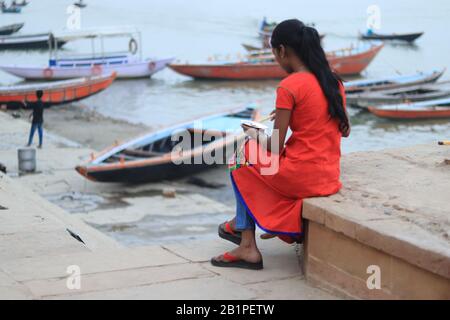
column 73, row 234
column 2, row 168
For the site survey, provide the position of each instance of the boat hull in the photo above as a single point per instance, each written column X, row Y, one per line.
column 411, row 114
column 355, row 87
column 410, row 37
column 119, row 163
column 12, row 10
column 399, row 96
column 144, row 173
column 56, row 93
column 364, row 103
column 142, row 69
column 8, row 30
column 343, row 65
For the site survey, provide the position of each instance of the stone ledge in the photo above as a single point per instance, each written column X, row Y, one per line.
column 388, row 235
column 339, row 264
column 394, row 202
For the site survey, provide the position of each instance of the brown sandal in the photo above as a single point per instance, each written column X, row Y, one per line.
column 226, row 232
column 234, row 262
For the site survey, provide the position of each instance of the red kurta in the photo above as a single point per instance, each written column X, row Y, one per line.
column 309, row 165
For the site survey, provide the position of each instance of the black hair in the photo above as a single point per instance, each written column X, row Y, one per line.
column 305, row 42
column 39, row 94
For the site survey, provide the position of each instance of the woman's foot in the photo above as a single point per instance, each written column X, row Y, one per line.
column 241, row 257
column 244, row 253
column 227, row 231
column 227, row 260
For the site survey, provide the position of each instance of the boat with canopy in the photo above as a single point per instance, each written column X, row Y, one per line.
column 127, row 64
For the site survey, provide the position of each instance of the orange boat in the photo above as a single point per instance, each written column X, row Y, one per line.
column 56, row 92
column 431, row 109
column 345, row 62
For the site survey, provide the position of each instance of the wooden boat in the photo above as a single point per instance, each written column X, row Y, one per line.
column 408, row 37
column 393, row 82
column 250, row 47
column 151, row 158
column 80, row 4
column 24, row 3
column 56, row 92
column 11, row 9
column 125, row 64
column 431, row 109
column 345, row 62
column 31, row 41
column 10, row 29
column 399, row 95
column 266, row 29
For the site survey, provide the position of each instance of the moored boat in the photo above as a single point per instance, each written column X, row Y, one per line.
column 266, row 29
column 399, row 95
column 125, row 67
column 126, row 64
column 408, row 37
column 349, row 61
column 30, row 41
column 431, row 109
column 10, row 29
column 24, row 3
column 56, row 92
column 250, row 47
column 80, row 4
column 392, row 82
column 11, row 9
column 154, row 156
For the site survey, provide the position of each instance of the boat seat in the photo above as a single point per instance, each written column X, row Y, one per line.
column 142, row 153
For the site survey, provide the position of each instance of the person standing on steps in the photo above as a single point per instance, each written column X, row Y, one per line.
column 37, row 117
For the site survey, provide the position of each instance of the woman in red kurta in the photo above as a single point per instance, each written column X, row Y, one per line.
column 277, row 176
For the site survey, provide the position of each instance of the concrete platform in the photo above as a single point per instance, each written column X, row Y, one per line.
column 394, row 213
column 36, row 250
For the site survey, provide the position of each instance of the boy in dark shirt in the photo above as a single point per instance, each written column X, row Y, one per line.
column 38, row 118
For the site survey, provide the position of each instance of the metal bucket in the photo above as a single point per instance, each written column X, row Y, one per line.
column 27, row 160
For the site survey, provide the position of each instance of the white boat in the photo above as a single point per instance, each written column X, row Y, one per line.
column 126, row 64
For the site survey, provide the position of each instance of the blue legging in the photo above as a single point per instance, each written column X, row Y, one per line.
column 33, row 130
column 243, row 220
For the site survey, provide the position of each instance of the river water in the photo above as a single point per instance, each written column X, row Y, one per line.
column 198, row 29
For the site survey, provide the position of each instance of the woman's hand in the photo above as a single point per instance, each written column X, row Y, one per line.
column 251, row 132
column 273, row 114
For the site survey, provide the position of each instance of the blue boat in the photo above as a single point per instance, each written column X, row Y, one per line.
column 392, row 82
column 155, row 157
column 11, row 9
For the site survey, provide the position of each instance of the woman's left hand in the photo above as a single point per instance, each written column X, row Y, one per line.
column 273, row 114
column 251, row 132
